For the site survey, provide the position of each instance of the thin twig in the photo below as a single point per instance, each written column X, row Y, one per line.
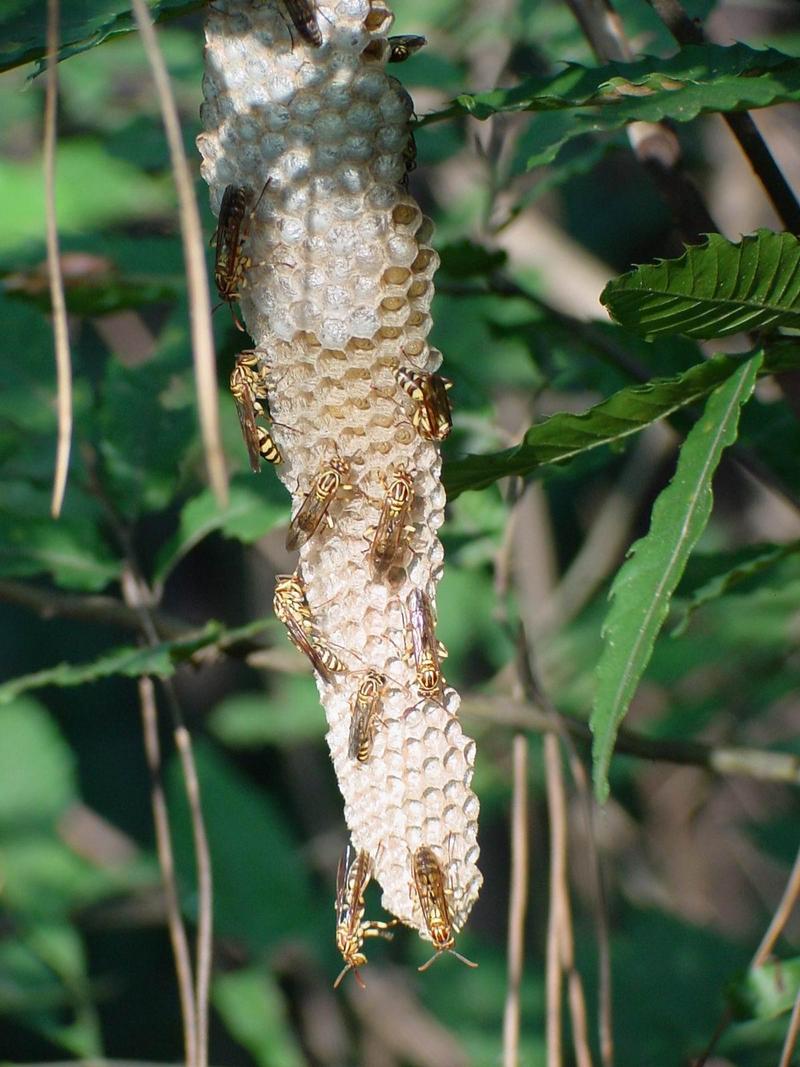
column 688, row 31
column 558, row 859
column 102, row 610
column 183, row 743
column 194, row 257
column 791, row 1034
column 56, row 280
column 138, row 596
column 787, row 904
column 557, row 808
column 177, row 931
column 747, row 762
column 605, row 1026
column 517, row 899
column 534, row 693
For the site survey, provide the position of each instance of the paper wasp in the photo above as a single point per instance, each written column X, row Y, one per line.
column 291, row 608
column 233, row 228
column 366, row 716
column 432, row 415
column 249, row 389
column 432, row 893
column 303, row 14
column 352, row 879
column 404, row 45
column 317, row 502
column 392, row 522
column 426, row 651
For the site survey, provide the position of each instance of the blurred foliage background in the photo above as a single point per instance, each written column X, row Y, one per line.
column 694, row 863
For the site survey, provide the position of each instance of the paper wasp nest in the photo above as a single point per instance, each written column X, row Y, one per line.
column 337, row 296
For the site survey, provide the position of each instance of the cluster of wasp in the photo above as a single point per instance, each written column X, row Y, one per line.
column 431, row 418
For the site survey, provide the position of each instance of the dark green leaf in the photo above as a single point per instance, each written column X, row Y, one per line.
column 262, row 894
column 465, row 259
column 83, row 25
column 71, row 548
column 697, row 80
column 751, row 562
column 128, row 661
column 713, row 290
column 643, row 587
column 160, row 660
column 147, row 424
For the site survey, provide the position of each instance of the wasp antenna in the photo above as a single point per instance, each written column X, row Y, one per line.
column 264, row 189
column 463, row 959
column 342, row 973
column 235, row 318
column 433, row 959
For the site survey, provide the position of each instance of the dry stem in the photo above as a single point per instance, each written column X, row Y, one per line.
column 56, row 280
column 194, row 257
column 518, row 899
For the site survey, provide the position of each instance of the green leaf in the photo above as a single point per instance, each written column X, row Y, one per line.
column 713, row 290
column 751, row 562
column 262, row 892
column 250, row 720
column 697, row 80
column 247, row 517
column 160, row 660
column 766, row 992
column 564, row 436
column 82, row 26
column 147, row 424
column 70, row 548
column 251, row 1005
column 44, row 976
column 93, row 190
column 37, row 772
column 466, row 259
column 129, row 661
column 643, row 587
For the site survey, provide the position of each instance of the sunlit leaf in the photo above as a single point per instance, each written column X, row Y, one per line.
column 766, row 992
column 37, row 772
column 94, row 189
column 248, row 516
column 713, row 290
column 285, row 716
column 643, row 587
column 697, row 80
